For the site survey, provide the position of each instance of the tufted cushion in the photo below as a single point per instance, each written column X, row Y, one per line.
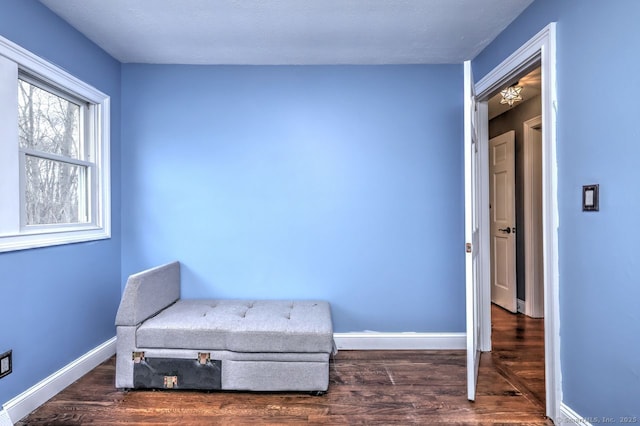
column 240, row 326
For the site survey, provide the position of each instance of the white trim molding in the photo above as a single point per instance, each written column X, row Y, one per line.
column 16, row 61
column 5, row 420
column 41, row 392
column 568, row 416
column 400, row 341
column 533, row 268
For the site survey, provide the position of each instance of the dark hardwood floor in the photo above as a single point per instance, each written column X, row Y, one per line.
column 518, row 351
column 366, row 387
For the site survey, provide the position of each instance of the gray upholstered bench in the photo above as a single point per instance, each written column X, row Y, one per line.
column 261, row 345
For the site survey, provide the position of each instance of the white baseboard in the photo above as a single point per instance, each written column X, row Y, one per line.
column 521, row 306
column 400, row 341
column 5, row 420
column 568, row 416
column 41, row 392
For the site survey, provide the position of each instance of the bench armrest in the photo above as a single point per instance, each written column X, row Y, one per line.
column 148, row 292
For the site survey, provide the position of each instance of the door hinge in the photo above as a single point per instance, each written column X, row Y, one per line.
column 468, row 247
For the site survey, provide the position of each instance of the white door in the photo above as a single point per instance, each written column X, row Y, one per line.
column 502, row 220
column 471, row 229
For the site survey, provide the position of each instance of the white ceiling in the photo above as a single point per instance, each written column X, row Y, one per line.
column 283, row 32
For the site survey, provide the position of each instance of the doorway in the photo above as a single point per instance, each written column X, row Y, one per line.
column 539, row 49
column 515, row 188
column 515, row 212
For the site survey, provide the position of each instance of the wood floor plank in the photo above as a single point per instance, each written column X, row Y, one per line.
column 366, row 387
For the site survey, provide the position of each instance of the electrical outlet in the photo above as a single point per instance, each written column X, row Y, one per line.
column 5, row 364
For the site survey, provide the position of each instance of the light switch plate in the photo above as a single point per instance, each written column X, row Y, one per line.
column 591, row 198
column 5, row 364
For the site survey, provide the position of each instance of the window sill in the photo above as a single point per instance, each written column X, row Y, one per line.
column 30, row 241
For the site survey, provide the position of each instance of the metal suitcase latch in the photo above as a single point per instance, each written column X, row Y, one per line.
column 170, row 381
column 204, row 357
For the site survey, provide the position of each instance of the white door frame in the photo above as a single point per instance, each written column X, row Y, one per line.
column 533, row 273
column 540, row 48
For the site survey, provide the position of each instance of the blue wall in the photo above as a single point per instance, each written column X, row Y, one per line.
column 58, row 303
column 598, row 142
column 341, row 182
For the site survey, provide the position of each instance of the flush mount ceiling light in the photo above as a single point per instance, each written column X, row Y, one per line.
column 511, row 95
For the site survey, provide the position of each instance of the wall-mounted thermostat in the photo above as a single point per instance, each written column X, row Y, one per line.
column 590, row 198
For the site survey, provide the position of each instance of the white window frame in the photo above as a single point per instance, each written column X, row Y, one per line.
column 14, row 235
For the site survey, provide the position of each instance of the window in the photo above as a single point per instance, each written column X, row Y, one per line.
column 54, row 154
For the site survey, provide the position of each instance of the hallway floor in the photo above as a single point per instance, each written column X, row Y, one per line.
column 518, row 352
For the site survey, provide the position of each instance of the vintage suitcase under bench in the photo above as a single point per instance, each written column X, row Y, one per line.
column 263, row 345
